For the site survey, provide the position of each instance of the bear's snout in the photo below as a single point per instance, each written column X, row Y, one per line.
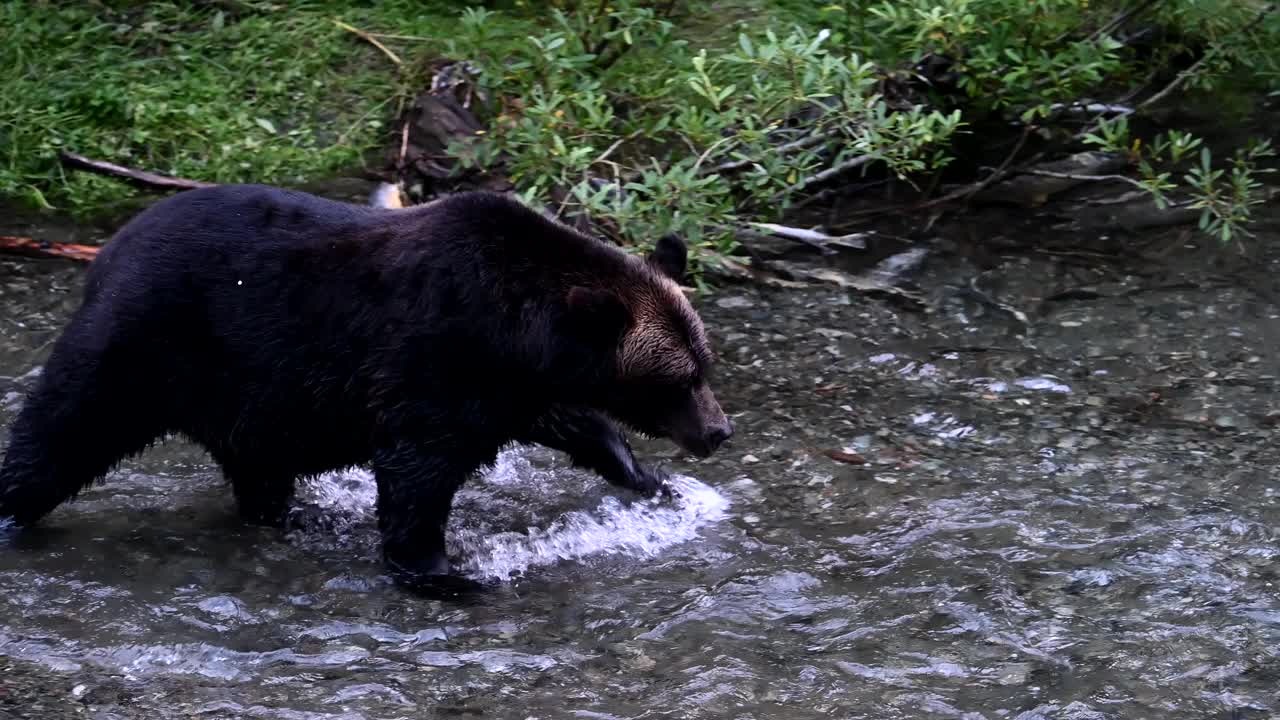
column 702, row 427
column 717, row 434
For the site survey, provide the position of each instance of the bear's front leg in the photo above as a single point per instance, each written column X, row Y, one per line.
column 595, row 443
column 416, row 485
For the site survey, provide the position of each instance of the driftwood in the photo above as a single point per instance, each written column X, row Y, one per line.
column 30, row 247
column 140, row 178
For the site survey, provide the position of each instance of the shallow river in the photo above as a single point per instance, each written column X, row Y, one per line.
column 1072, row 521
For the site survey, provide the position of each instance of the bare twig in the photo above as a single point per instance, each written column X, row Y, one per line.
column 393, row 36
column 1139, row 88
column 371, row 40
column 706, row 153
column 1176, row 82
column 802, row 143
column 616, row 144
column 404, row 143
column 834, row 171
column 141, row 178
column 34, row 248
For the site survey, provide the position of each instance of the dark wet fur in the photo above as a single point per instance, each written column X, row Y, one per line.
column 291, row 335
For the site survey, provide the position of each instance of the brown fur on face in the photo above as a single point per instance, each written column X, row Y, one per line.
column 666, row 338
column 664, row 360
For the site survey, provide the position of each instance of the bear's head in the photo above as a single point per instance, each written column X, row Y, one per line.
column 660, row 384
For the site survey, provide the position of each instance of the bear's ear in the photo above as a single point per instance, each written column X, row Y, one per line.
column 670, row 256
column 597, row 310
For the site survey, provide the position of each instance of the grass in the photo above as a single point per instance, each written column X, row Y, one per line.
column 264, row 92
column 234, row 91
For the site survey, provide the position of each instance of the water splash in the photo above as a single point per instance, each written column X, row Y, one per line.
column 538, row 497
column 641, row 528
column 1042, row 383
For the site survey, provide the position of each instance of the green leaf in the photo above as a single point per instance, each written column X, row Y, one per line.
column 265, row 124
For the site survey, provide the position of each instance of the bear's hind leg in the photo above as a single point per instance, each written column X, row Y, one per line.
column 75, row 427
column 262, row 495
column 594, row 443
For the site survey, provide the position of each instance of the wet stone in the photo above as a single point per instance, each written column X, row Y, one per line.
column 734, row 302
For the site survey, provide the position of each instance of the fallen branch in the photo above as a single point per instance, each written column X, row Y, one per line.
column 141, row 178
column 30, row 247
column 371, row 40
column 834, row 171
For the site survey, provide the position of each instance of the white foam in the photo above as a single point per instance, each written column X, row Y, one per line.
column 642, row 528
column 1043, row 383
column 552, row 503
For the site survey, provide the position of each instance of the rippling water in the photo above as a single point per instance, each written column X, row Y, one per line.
column 1032, row 535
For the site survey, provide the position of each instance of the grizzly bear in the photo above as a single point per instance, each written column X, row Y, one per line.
column 291, row 335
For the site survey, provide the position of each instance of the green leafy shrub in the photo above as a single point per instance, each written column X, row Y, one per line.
column 729, row 133
column 721, row 136
column 649, row 116
column 1225, row 196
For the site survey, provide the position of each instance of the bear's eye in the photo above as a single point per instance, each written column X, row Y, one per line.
column 675, row 387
